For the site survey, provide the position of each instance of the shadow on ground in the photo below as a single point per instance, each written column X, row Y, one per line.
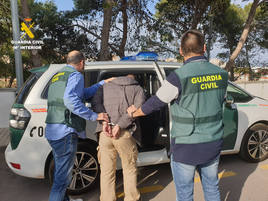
column 17, row 188
column 231, row 187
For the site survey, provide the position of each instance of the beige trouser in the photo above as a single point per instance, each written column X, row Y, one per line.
column 126, row 147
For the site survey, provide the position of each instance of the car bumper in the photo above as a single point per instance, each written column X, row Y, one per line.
column 28, row 165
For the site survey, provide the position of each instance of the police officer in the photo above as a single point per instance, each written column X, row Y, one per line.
column 196, row 92
column 66, row 119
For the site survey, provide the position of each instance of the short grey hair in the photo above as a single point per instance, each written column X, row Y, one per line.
column 75, row 57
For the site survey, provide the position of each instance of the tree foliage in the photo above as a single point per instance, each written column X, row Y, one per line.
column 53, row 27
column 174, row 17
column 57, row 32
column 229, row 26
column 124, row 25
column 6, row 51
column 242, row 40
column 261, row 26
column 102, row 28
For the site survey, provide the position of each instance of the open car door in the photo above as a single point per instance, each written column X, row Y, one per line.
column 164, row 133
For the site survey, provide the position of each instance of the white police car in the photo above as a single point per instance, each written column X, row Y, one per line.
column 29, row 154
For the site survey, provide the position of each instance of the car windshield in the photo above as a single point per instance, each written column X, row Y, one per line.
column 26, row 87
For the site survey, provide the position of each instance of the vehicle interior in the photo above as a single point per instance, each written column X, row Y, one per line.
column 154, row 127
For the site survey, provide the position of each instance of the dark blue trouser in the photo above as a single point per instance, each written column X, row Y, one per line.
column 64, row 151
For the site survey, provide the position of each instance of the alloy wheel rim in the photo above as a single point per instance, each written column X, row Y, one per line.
column 84, row 172
column 258, row 144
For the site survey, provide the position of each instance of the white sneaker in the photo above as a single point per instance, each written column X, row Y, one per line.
column 78, row 199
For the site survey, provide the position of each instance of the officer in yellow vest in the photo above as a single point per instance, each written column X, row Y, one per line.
column 196, row 92
column 66, row 120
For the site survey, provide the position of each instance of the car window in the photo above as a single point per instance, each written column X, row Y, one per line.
column 26, row 88
column 45, row 91
column 238, row 94
column 91, row 78
column 148, row 80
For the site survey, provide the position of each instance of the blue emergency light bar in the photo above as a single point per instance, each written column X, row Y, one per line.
column 142, row 56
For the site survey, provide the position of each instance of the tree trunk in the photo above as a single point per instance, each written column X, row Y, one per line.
column 243, row 38
column 25, row 9
column 5, row 79
column 11, row 81
column 248, row 63
column 35, row 56
column 105, row 33
column 125, row 29
column 200, row 8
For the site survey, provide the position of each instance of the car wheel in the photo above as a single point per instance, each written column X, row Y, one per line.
column 254, row 147
column 86, row 170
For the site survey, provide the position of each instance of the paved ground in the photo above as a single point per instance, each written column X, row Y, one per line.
column 4, row 136
column 239, row 181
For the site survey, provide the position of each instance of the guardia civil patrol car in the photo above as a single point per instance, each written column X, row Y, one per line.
column 29, row 154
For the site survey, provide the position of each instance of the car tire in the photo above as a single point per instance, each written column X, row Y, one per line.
column 254, row 147
column 86, row 170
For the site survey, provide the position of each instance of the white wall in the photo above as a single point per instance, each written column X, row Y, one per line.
column 7, row 97
column 255, row 88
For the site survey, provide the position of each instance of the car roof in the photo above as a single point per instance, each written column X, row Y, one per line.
column 110, row 65
column 106, row 65
column 39, row 69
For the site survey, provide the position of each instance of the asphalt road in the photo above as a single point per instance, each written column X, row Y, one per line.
column 240, row 181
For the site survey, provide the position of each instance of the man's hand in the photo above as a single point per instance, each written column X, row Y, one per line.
column 103, row 116
column 131, row 109
column 109, row 79
column 107, row 129
column 134, row 112
column 116, row 131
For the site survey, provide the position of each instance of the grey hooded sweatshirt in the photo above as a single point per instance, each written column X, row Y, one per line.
column 115, row 97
